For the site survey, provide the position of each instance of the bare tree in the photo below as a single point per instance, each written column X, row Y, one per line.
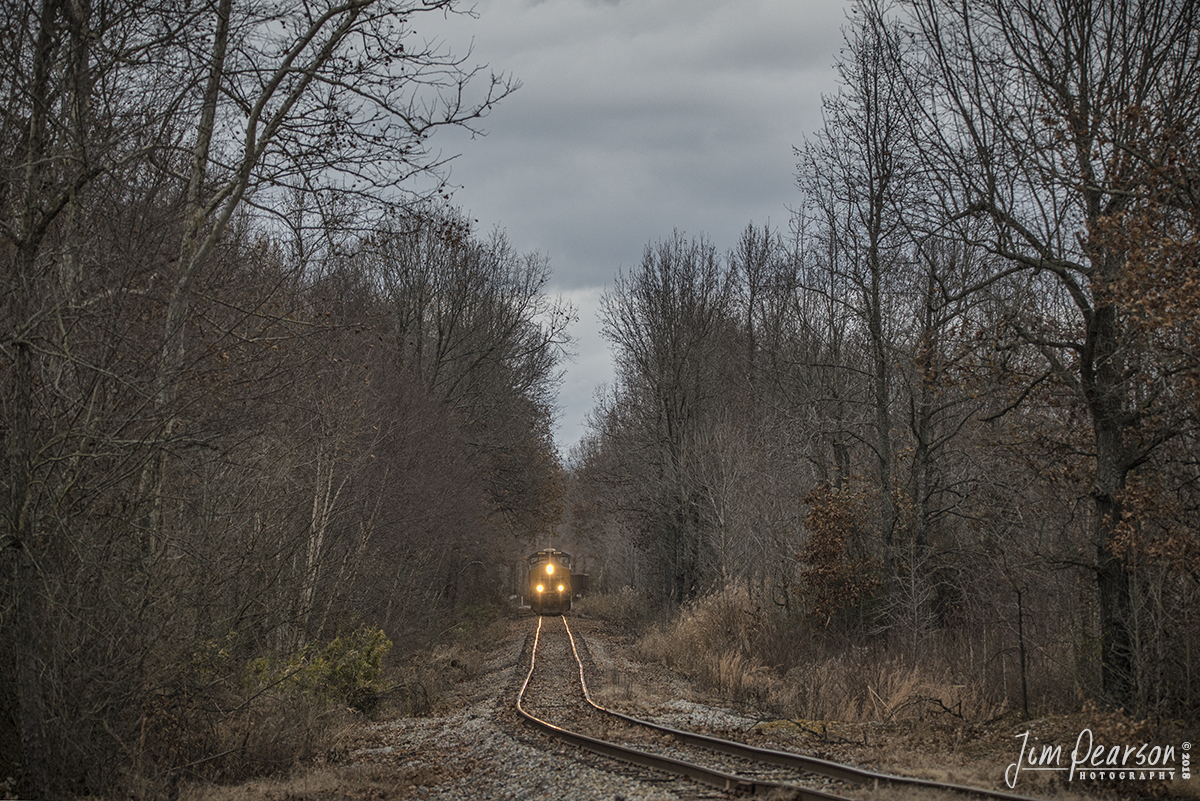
column 861, row 173
column 670, row 322
column 1049, row 123
column 471, row 322
column 122, row 350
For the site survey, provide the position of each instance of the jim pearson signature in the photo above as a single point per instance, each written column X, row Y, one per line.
column 1093, row 761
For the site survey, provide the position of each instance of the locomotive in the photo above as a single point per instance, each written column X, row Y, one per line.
column 549, row 590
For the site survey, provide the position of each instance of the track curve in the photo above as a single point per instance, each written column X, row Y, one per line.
column 730, row 781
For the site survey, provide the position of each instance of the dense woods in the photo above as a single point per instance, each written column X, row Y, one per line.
column 267, row 399
column 950, row 414
column 259, row 388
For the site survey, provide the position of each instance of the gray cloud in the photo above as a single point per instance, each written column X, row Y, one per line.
column 636, row 118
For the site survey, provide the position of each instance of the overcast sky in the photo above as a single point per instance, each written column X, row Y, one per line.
column 636, row 118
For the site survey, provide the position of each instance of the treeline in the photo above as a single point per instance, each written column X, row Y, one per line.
column 954, row 409
column 257, row 390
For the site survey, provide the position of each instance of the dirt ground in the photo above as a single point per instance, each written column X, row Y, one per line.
column 936, row 745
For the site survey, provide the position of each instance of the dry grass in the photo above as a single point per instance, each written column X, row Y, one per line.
column 626, row 608
column 734, row 649
column 350, row 781
column 228, row 739
column 616, row 686
column 422, row 684
column 868, row 684
column 262, row 728
column 926, row 716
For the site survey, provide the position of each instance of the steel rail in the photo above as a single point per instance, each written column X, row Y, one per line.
column 724, row 781
column 823, row 767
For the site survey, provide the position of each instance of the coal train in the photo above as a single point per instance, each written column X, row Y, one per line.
column 549, row 590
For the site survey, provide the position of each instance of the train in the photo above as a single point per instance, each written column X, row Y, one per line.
column 549, row 591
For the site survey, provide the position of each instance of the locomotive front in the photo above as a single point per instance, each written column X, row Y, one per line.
column 549, row 590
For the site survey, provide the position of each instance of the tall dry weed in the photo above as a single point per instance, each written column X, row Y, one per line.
column 713, row 642
column 627, row 607
column 746, row 654
column 867, row 683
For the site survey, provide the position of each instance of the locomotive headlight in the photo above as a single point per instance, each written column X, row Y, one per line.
column 560, row 588
column 540, row 588
column 549, row 570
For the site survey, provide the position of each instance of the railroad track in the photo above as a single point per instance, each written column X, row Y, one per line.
column 555, row 699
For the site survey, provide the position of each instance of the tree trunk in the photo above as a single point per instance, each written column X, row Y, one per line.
column 1103, row 383
column 1112, row 575
column 20, row 447
column 26, row 588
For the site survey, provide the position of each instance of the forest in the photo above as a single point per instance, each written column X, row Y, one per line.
column 949, row 414
column 266, row 396
column 269, row 399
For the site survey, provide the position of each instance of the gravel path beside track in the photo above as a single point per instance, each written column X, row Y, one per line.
column 483, row 751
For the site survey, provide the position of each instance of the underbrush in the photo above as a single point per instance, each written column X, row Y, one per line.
column 263, row 718
column 745, row 654
column 425, row 678
column 418, row 683
column 627, row 608
column 222, row 717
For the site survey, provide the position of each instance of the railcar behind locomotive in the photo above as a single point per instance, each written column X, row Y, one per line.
column 549, row 590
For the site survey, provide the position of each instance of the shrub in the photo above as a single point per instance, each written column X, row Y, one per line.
column 227, row 718
column 346, row 670
column 837, row 575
